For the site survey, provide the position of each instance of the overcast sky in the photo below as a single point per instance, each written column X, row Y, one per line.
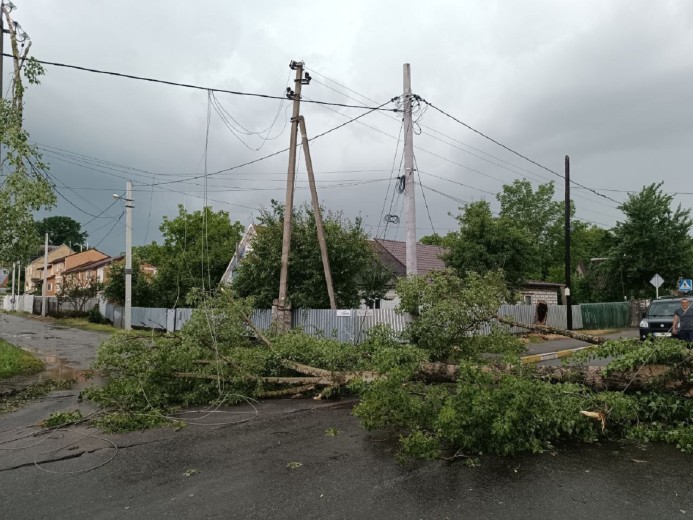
column 608, row 83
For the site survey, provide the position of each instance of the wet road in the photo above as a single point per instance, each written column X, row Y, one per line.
column 66, row 352
column 278, row 460
column 283, row 465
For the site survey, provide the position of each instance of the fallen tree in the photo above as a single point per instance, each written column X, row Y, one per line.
column 440, row 386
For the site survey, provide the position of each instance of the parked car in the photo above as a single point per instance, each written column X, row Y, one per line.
column 659, row 317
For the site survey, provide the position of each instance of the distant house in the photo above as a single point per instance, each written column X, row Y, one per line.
column 243, row 247
column 393, row 255
column 534, row 291
column 33, row 278
column 103, row 268
column 58, row 266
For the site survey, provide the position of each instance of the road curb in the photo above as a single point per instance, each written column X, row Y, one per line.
column 538, row 358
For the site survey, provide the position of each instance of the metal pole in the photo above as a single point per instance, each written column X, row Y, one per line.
column 44, row 290
column 409, row 195
column 569, row 308
column 280, row 303
column 317, row 215
column 127, row 318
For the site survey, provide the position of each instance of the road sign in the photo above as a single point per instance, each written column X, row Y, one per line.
column 685, row 285
column 657, row 281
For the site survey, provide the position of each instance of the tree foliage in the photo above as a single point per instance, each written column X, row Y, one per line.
column 142, row 290
column 62, row 230
column 197, row 248
column 487, row 243
column 78, row 291
column 24, row 187
column 540, row 217
column 653, row 238
column 356, row 272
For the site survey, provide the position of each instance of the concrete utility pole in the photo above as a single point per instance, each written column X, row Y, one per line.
column 280, row 307
column 14, row 268
column 569, row 309
column 409, row 195
column 316, row 213
column 127, row 313
column 44, row 290
column 127, row 319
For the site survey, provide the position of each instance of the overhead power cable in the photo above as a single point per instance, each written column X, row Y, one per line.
column 198, row 87
column 511, row 150
column 277, row 152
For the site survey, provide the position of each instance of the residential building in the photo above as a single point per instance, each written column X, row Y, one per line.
column 58, row 266
column 393, row 255
column 33, row 278
column 243, row 247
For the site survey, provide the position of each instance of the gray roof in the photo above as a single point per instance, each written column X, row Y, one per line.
column 393, row 253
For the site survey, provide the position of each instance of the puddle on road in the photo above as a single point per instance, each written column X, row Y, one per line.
column 60, row 368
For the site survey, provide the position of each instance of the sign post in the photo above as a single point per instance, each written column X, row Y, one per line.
column 685, row 285
column 657, row 281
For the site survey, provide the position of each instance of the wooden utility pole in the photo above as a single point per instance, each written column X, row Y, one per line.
column 317, row 214
column 409, row 195
column 569, row 309
column 281, row 307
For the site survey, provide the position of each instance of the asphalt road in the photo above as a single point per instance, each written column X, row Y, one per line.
column 279, row 460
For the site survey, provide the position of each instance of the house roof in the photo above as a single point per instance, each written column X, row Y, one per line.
column 393, row 253
column 545, row 285
column 90, row 265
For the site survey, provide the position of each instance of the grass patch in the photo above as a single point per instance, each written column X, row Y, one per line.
column 15, row 361
column 32, row 393
column 84, row 324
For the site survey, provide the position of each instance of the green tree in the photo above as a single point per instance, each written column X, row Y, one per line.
column 24, row 187
column 540, row 217
column 62, row 230
column 197, row 248
column 142, row 291
column 352, row 262
column 653, row 238
column 486, row 243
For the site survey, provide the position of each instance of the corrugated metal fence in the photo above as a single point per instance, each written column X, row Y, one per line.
column 606, row 315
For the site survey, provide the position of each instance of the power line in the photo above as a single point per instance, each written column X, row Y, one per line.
column 513, row 151
column 197, row 87
column 280, row 151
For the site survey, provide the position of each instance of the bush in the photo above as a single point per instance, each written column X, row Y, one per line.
column 95, row 316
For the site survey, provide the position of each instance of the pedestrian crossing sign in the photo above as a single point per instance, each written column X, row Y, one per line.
column 685, row 285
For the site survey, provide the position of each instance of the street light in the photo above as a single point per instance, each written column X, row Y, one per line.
column 127, row 318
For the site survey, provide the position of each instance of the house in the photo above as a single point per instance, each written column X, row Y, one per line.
column 393, row 255
column 103, row 268
column 243, row 247
column 59, row 265
column 534, row 291
column 86, row 274
column 33, row 277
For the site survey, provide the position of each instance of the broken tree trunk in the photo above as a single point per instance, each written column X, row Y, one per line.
column 675, row 379
column 587, row 338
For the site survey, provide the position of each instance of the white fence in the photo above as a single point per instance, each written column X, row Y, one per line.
column 22, row 303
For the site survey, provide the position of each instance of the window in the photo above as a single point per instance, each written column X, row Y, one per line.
column 528, row 299
column 50, row 286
